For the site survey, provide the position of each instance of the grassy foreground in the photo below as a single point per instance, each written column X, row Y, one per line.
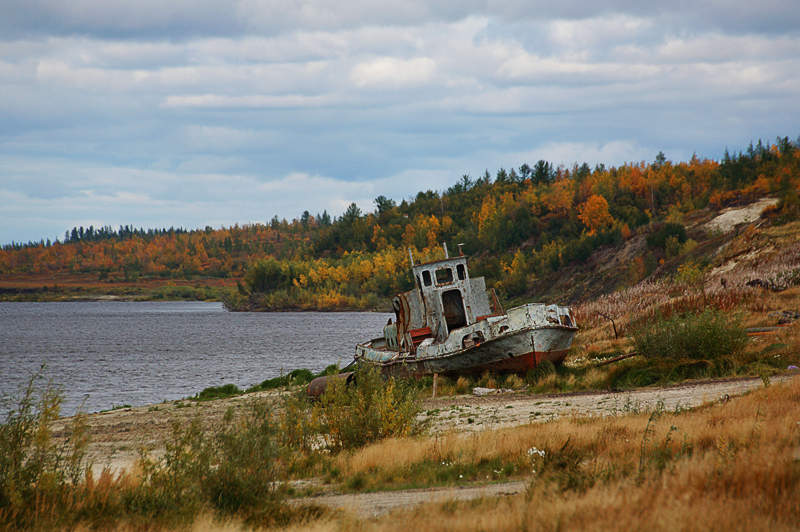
column 732, row 465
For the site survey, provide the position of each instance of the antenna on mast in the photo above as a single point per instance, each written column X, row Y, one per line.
column 446, row 254
column 411, row 256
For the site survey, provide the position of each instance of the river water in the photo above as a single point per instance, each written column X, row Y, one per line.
column 103, row 354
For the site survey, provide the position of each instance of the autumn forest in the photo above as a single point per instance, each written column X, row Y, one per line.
column 520, row 226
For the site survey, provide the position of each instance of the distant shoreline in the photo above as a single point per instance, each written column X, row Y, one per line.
column 49, row 296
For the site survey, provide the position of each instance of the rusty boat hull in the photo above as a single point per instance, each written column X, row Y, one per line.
column 514, row 342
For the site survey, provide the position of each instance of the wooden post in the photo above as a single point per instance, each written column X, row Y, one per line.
column 435, row 375
column 606, row 316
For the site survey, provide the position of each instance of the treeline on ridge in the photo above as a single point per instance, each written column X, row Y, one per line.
column 518, row 224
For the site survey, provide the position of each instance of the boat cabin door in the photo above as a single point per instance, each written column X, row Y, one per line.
column 453, row 309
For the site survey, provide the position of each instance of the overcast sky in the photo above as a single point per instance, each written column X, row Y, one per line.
column 213, row 112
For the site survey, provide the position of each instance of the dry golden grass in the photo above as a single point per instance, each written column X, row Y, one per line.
column 513, row 382
column 730, row 465
column 601, row 340
column 205, row 522
column 682, row 501
column 463, row 385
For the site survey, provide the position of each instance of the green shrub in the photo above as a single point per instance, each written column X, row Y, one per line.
column 298, row 432
column 170, row 488
column 701, row 345
column 234, row 468
column 246, row 464
column 266, row 275
column 235, row 300
column 300, row 376
column 218, row 392
column 368, row 409
column 706, row 335
column 635, row 375
column 332, row 369
column 297, row 377
column 659, row 238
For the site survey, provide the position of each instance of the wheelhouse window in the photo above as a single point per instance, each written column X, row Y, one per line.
column 426, row 277
column 461, row 272
column 444, row 276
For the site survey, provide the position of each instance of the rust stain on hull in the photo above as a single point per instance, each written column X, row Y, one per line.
column 527, row 361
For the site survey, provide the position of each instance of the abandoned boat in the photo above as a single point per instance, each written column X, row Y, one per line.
column 449, row 324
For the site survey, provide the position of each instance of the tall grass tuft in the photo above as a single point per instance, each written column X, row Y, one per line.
column 169, row 489
column 542, row 370
column 35, row 472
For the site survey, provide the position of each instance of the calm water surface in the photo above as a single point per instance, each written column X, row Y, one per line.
column 115, row 353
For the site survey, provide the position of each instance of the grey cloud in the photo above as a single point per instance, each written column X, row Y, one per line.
column 180, row 19
column 117, row 18
column 184, row 19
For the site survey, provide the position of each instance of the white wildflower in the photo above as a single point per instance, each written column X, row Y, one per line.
column 535, row 454
column 534, row 451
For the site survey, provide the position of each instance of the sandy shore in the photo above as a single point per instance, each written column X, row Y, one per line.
column 117, row 435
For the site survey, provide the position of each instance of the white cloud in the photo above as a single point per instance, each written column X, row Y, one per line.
column 598, row 32
column 247, row 101
column 393, row 72
column 530, row 68
column 609, row 153
column 717, row 47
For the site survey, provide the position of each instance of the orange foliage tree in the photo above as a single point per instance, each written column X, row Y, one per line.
column 594, row 213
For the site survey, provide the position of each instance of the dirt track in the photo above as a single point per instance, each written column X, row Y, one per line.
column 467, row 413
column 376, row 504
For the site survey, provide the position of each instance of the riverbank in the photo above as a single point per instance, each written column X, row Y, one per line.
column 119, row 434
column 90, row 287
